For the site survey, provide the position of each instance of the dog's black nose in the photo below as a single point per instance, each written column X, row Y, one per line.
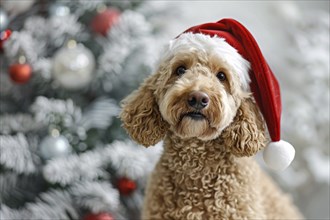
column 198, row 100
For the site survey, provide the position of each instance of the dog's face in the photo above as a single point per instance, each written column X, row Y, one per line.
column 200, row 90
column 200, row 86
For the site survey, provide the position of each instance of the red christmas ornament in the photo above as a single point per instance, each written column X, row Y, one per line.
column 4, row 35
column 20, row 73
column 126, row 186
column 99, row 216
column 104, row 20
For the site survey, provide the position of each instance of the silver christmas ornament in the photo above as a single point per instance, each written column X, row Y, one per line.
column 4, row 20
column 54, row 146
column 59, row 10
column 73, row 66
column 17, row 7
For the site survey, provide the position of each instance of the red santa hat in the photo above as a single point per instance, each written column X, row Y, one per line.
column 266, row 91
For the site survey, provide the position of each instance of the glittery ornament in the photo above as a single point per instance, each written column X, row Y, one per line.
column 104, row 20
column 73, row 66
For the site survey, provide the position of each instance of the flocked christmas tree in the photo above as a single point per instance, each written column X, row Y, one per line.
column 65, row 66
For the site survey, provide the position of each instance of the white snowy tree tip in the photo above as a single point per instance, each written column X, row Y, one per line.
column 278, row 155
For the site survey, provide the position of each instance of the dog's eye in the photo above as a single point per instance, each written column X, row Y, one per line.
column 180, row 70
column 221, row 76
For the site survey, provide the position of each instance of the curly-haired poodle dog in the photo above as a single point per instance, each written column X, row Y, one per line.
column 199, row 103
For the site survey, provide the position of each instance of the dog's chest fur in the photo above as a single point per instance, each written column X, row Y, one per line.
column 201, row 180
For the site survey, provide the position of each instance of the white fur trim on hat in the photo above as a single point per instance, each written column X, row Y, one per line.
column 228, row 54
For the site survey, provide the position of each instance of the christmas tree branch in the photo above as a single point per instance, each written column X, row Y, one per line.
column 15, row 153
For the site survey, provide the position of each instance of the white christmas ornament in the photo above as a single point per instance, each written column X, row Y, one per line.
column 278, row 155
column 16, row 7
column 59, row 10
column 54, row 146
column 73, row 66
column 4, row 20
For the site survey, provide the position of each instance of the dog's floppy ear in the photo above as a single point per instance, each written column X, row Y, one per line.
column 140, row 114
column 246, row 134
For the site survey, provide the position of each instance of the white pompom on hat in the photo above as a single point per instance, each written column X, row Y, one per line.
column 264, row 86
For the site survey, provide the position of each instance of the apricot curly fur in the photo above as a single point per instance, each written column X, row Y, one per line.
column 245, row 134
column 141, row 117
column 206, row 170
